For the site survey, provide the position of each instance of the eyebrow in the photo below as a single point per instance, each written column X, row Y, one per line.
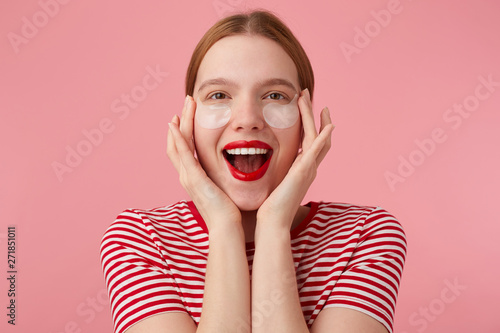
column 268, row 82
column 278, row 82
column 216, row 82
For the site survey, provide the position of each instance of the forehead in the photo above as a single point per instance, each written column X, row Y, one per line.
column 247, row 61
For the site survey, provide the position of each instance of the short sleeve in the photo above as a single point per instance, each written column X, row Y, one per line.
column 371, row 279
column 137, row 277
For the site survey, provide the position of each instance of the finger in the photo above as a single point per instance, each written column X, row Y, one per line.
column 185, row 154
column 325, row 118
column 307, row 117
column 176, row 120
column 187, row 120
column 326, row 137
column 306, row 111
column 171, row 148
column 319, row 147
column 192, row 176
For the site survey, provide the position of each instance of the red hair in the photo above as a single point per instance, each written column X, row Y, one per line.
column 260, row 23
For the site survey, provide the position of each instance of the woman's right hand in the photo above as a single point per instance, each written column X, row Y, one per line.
column 214, row 205
column 220, row 310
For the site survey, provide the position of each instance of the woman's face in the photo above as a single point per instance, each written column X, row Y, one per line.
column 247, row 72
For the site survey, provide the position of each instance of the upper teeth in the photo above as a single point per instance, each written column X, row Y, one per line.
column 246, row 151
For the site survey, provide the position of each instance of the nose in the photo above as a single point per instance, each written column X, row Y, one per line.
column 246, row 114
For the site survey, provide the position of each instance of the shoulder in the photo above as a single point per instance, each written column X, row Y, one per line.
column 375, row 233
column 358, row 223
column 145, row 225
column 140, row 255
column 374, row 248
column 363, row 216
column 133, row 218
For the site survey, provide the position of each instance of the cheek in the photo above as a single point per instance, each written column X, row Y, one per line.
column 289, row 144
column 206, row 146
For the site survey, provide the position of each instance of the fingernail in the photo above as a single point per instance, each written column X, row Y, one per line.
column 170, row 125
column 186, row 100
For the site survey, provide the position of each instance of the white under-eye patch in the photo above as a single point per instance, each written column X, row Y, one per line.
column 281, row 115
column 212, row 116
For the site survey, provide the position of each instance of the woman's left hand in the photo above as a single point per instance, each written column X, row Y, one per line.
column 283, row 203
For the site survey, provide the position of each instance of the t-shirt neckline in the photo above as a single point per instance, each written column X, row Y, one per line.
column 293, row 233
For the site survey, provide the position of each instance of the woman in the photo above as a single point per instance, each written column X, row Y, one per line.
column 244, row 255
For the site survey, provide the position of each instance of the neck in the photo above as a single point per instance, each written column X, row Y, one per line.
column 249, row 221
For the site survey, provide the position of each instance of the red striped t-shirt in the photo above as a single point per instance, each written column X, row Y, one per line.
column 154, row 261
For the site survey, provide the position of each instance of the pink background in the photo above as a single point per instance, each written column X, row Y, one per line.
column 387, row 97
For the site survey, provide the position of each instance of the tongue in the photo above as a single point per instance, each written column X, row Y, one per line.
column 249, row 163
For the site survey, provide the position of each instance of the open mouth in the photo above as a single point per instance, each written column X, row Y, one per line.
column 247, row 160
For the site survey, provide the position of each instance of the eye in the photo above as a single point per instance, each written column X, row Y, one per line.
column 218, row 95
column 275, row 96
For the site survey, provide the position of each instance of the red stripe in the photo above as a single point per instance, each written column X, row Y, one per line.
column 159, row 247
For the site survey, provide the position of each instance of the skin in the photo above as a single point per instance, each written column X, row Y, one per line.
column 246, row 92
column 264, row 210
column 233, row 59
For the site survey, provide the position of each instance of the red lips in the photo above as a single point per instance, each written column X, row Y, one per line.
column 252, row 176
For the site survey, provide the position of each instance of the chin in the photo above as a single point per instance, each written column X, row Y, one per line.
column 248, row 200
